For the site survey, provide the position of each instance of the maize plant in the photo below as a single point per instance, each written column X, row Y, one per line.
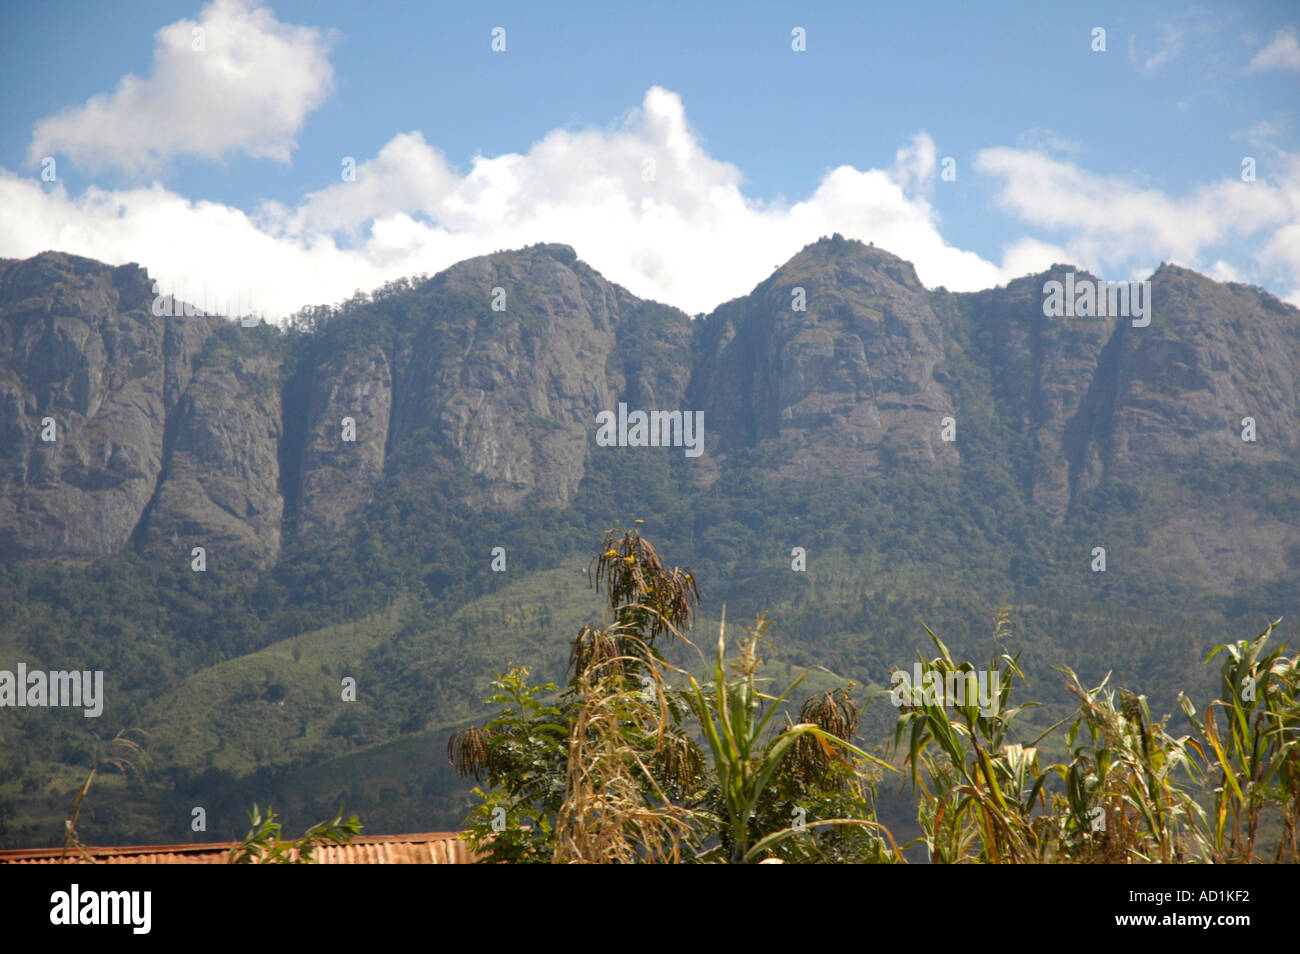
column 1124, row 802
column 977, row 791
column 615, row 809
column 1253, row 763
column 734, row 717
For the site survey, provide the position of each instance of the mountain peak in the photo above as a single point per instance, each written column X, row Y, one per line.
column 849, row 258
column 564, row 254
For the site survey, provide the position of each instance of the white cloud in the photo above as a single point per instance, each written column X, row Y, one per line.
column 1030, row 255
column 1113, row 224
column 644, row 204
column 1283, row 53
column 1041, row 139
column 201, row 251
column 914, row 163
column 1222, row 271
column 248, row 90
column 407, row 174
column 1263, row 132
column 1172, row 40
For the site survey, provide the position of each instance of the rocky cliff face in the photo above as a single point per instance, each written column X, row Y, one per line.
column 497, row 380
column 351, row 399
column 1213, row 355
column 836, row 355
column 510, row 395
column 88, row 378
column 174, row 432
column 220, row 487
column 1046, row 388
column 1099, row 397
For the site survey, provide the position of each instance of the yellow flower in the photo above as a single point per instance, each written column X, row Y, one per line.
column 640, row 521
column 611, row 553
column 629, row 559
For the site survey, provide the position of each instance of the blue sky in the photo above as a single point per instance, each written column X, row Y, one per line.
column 682, row 152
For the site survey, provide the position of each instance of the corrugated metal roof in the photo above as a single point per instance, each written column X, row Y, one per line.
column 429, row 848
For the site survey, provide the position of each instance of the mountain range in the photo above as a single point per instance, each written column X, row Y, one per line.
column 230, row 519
